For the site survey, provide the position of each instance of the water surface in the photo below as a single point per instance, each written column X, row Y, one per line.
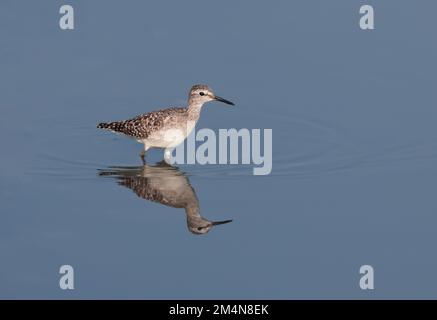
column 354, row 174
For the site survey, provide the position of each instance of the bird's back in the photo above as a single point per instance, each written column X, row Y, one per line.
column 142, row 126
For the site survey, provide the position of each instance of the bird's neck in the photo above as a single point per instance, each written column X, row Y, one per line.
column 194, row 218
column 192, row 210
column 194, row 110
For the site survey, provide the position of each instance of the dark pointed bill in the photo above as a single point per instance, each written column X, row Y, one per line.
column 216, row 223
column 223, row 100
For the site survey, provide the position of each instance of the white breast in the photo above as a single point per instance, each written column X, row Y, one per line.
column 170, row 137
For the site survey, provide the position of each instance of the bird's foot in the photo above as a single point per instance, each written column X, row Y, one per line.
column 143, row 158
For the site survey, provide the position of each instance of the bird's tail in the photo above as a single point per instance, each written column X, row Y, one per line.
column 116, row 126
column 104, row 125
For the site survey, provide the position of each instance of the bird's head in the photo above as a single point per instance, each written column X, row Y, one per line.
column 201, row 93
column 200, row 225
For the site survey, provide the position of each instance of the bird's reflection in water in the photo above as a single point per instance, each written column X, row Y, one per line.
column 167, row 185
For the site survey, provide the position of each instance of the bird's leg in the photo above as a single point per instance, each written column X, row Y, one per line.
column 143, row 154
column 167, row 155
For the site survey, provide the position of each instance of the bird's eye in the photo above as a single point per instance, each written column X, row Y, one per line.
column 202, row 93
column 199, row 228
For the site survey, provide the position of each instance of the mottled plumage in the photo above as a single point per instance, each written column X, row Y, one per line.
column 165, row 128
column 143, row 125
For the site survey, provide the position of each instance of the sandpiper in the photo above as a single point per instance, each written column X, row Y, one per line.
column 165, row 128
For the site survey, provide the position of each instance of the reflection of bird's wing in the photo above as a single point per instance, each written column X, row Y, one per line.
column 146, row 188
column 143, row 125
column 161, row 183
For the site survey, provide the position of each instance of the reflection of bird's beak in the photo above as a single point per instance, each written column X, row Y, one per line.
column 216, row 223
column 223, row 100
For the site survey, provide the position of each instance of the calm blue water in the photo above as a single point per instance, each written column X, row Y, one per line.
column 354, row 175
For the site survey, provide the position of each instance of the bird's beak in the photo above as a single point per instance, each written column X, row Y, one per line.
column 216, row 223
column 223, row 100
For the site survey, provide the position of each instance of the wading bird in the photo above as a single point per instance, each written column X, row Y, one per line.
column 165, row 128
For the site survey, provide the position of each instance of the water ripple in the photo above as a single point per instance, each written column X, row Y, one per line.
column 302, row 148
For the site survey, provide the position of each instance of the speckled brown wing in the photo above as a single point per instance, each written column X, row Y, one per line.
column 142, row 188
column 143, row 125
